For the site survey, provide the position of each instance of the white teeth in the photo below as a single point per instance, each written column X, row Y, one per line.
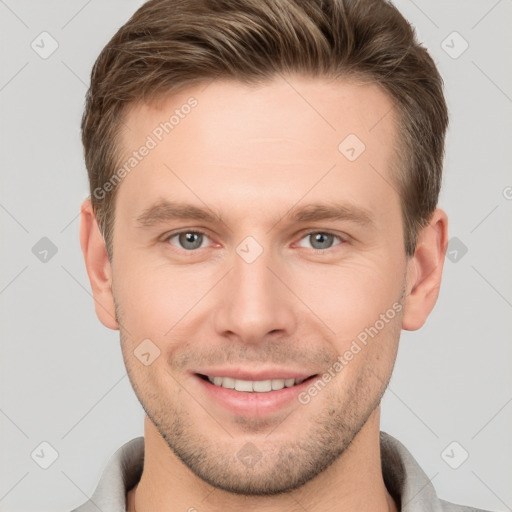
column 243, row 385
column 249, row 386
column 277, row 384
column 227, row 382
column 262, row 386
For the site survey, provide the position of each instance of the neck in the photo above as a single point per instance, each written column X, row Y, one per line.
column 352, row 483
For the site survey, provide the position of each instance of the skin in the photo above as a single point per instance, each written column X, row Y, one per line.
column 253, row 155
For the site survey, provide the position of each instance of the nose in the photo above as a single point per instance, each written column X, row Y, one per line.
column 254, row 301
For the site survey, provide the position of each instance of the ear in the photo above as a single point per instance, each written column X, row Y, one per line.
column 98, row 266
column 424, row 271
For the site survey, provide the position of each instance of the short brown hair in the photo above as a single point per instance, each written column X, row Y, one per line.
column 168, row 45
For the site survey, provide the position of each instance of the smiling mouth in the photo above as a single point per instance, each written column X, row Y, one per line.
column 253, row 386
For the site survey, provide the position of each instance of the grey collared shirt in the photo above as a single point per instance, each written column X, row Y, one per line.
column 404, row 479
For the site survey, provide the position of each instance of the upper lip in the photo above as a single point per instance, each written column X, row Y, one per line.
column 244, row 374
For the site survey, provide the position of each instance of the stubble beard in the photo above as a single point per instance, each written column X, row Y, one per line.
column 283, row 465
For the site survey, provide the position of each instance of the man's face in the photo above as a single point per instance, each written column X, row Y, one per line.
column 266, row 292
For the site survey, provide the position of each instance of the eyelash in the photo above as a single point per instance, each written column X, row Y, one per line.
column 304, row 235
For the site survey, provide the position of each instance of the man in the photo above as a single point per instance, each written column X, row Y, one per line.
column 262, row 225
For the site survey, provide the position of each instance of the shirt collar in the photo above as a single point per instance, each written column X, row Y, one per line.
column 407, row 483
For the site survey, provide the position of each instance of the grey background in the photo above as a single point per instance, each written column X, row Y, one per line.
column 62, row 378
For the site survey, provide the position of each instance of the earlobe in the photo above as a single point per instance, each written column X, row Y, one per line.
column 425, row 271
column 98, row 266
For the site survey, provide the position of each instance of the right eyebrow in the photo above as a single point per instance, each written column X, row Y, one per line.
column 169, row 210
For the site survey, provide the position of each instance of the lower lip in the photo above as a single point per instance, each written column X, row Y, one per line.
column 253, row 404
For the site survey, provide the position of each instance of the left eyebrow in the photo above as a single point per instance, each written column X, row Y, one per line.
column 332, row 211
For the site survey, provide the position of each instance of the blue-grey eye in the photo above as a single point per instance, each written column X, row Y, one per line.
column 320, row 240
column 189, row 240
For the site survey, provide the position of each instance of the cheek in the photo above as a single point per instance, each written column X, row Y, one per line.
column 153, row 298
column 350, row 296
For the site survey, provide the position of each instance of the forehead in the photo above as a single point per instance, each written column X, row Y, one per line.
column 268, row 144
